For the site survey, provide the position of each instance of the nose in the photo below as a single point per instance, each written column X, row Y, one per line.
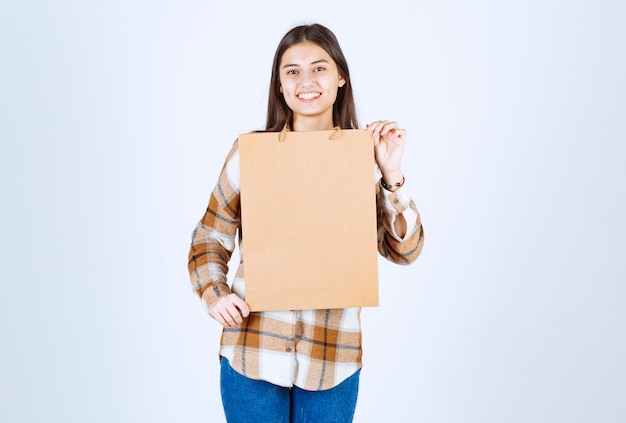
column 307, row 78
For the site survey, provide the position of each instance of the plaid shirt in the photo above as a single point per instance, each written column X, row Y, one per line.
column 312, row 349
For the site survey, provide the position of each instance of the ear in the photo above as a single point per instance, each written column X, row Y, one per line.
column 342, row 81
column 280, row 88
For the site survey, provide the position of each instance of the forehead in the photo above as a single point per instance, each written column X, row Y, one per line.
column 304, row 53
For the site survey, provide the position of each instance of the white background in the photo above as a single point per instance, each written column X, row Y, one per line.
column 115, row 118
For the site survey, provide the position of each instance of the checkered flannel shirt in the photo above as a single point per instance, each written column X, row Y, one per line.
column 311, row 349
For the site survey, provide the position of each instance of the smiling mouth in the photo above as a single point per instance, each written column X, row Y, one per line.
column 308, row 96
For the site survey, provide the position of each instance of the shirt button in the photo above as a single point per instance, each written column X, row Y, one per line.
column 288, row 350
column 395, row 201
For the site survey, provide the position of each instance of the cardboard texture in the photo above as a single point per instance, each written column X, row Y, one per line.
column 308, row 212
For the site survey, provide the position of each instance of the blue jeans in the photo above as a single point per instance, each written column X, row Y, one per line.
column 250, row 401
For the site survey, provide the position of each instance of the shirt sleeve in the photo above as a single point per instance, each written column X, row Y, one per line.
column 213, row 238
column 389, row 206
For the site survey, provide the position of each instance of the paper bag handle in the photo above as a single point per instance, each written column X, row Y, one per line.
column 282, row 135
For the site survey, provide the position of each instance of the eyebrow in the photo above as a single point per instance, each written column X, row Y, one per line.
column 312, row 63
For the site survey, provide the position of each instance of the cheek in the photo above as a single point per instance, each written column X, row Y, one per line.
column 331, row 82
column 286, row 87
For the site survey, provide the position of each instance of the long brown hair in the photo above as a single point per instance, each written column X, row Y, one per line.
column 344, row 111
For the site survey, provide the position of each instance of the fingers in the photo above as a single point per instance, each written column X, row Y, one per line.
column 241, row 305
column 230, row 318
column 229, row 310
column 382, row 128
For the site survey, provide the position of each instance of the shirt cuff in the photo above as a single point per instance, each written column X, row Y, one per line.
column 399, row 202
column 216, row 290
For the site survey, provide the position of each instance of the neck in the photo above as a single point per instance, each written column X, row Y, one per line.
column 317, row 123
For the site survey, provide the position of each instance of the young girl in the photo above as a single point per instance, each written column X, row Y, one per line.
column 302, row 365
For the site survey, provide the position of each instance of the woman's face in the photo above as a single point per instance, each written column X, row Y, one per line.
column 309, row 80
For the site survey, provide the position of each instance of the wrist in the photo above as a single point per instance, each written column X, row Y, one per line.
column 394, row 175
column 392, row 182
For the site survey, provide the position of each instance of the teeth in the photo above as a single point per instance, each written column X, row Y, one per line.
column 308, row 96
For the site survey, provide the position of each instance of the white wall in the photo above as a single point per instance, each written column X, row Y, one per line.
column 115, row 118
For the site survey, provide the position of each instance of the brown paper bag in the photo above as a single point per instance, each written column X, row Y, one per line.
column 308, row 213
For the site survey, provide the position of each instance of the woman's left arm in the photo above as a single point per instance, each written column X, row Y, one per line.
column 400, row 236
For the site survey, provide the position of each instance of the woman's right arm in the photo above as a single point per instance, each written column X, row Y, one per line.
column 212, row 244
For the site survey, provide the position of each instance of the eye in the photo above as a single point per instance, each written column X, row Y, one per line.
column 319, row 69
column 292, row 72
